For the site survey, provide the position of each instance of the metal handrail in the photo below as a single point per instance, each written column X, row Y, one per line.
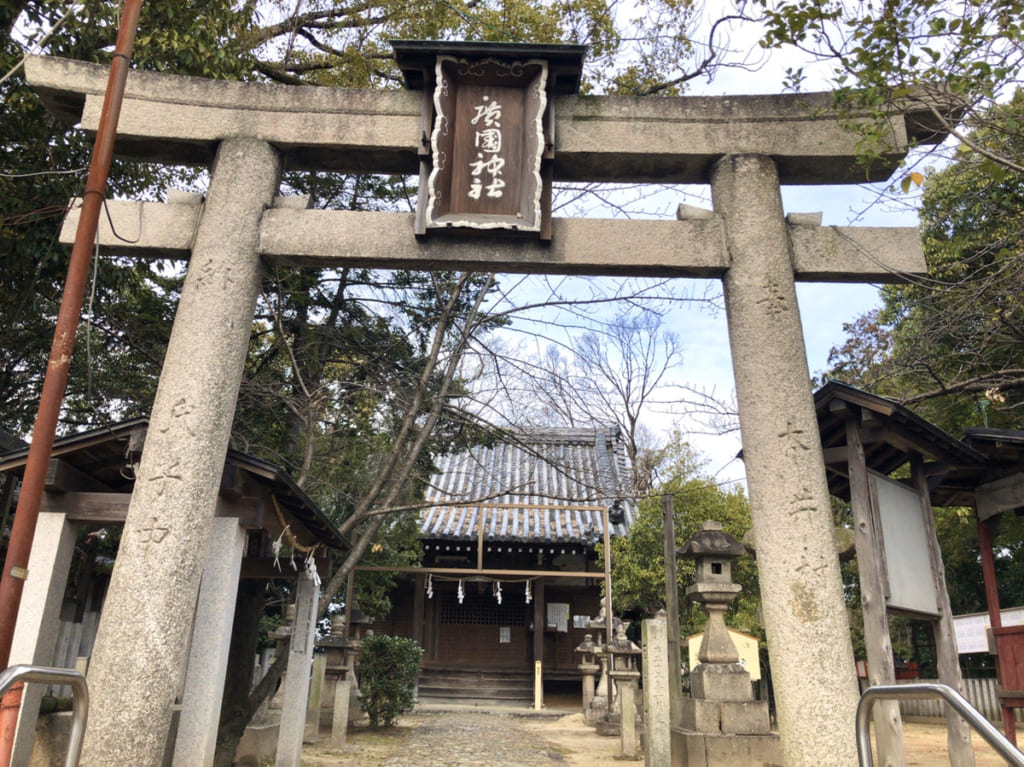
column 79, row 698
column 984, row 727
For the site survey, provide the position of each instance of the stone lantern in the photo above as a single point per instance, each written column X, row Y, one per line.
column 588, row 668
column 339, row 651
column 622, row 653
column 721, row 724
column 714, row 552
column 282, row 636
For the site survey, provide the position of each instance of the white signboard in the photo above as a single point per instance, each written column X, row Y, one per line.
column 905, row 541
column 971, row 629
column 558, row 616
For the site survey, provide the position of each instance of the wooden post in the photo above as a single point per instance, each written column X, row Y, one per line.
column 538, row 685
column 538, row 620
column 888, row 724
column 480, row 541
column 961, row 754
column 986, row 533
column 419, row 584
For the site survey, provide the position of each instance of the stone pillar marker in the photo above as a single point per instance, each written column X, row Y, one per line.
column 296, row 684
column 196, row 741
column 657, row 693
column 35, row 635
column 801, row 588
column 149, row 610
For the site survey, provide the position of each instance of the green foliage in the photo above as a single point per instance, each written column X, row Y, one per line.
column 898, row 51
column 953, row 344
column 388, row 669
column 638, row 560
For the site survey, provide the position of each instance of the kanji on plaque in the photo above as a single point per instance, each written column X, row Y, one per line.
column 487, row 144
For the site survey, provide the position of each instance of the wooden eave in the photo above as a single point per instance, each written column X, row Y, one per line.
column 1003, row 451
column 100, row 461
column 416, row 59
column 892, row 436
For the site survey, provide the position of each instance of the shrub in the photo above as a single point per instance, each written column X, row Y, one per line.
column 388, row 669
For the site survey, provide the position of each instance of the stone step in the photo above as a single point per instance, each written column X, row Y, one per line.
column 443, row 685
column 464, row 681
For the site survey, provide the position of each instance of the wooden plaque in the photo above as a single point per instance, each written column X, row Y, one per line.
column 487, row 144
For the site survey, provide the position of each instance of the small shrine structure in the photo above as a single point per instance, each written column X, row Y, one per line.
column 88, row 489
column 510, row 576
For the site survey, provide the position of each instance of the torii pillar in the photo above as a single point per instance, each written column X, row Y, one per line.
column 801, row 592
column 743, row 146
column 136, row 671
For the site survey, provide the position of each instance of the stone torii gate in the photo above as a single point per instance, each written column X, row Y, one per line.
column 745, row 147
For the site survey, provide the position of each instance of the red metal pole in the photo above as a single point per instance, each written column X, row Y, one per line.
column 55, row 383
column 986, row 535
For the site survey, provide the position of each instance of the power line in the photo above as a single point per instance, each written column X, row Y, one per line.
column 60, row 22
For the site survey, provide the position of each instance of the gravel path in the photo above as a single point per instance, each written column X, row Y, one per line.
column 473, row 740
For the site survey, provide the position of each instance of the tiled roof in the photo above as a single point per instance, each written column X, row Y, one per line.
column 542, row 485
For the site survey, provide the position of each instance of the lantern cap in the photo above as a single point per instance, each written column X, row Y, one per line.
column 712, row 541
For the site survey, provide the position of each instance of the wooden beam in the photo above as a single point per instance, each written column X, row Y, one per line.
column 62, row 477
column 112, row 508
column 265, row 568
column 468, row 572
column 835, row 455
column 994, row 498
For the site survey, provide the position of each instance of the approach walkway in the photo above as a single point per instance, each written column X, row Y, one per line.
column 492, row 737
column 474, row 740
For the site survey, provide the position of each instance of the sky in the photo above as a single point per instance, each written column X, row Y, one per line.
column 824, row 308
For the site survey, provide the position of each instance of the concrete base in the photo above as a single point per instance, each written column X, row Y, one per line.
column 51, row 743
column 745, row 717
column 596, row 711
column 610, row 726
column 258, row 745
column 690, row 749
column 720, row 681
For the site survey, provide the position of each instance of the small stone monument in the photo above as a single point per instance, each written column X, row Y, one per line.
column 602, row 703
column 622, row 653
column 588, row 668
column 722, row 725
